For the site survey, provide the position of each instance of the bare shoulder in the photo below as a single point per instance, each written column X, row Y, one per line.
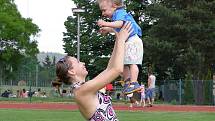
column 86, row 102
column 84, row 91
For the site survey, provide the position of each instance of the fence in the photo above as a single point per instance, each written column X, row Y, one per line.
column 199, row 92
column 36, row 77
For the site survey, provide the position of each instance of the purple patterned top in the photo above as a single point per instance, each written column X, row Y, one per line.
column 104, row 111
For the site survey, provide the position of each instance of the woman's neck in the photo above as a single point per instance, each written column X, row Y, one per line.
column 78, row 79
column 76, row 85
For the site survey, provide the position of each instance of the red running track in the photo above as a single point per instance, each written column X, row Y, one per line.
column 61, row 106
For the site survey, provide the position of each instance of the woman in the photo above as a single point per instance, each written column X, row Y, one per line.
column 93, row 105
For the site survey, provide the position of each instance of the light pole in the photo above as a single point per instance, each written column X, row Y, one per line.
column 78, row 11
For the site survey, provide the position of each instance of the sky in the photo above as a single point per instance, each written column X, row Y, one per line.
column 50, row 16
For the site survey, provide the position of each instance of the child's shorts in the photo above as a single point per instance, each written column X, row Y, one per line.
column 133, row 50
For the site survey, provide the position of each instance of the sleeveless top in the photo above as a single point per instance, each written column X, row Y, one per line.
column 104, row 110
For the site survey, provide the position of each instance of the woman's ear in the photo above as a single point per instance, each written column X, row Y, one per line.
column 71, row 72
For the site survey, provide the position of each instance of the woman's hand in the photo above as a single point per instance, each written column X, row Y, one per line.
column 124, row 33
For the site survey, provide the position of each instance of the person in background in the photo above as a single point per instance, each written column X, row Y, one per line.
column 150, row 94
column 24, row 93
column 143, row 96
column 38, row 93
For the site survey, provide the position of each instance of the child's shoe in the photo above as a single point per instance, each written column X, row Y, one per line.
column 126, row 84
column 132, row 87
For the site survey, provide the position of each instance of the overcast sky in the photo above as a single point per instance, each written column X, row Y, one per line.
column 50, row 16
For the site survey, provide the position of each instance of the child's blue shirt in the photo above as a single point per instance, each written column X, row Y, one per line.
column 121, row 15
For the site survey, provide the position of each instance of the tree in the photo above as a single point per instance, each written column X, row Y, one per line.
column 26, row 70
column 177, row 35
column 53, row 61
column 16, row 35
column 47, row 72
column 181, row 37
column 47, row 63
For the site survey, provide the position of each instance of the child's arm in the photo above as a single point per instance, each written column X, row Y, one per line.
column 105, row 30
column 114, row 24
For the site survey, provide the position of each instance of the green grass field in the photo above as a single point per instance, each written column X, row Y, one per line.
column 61, row 115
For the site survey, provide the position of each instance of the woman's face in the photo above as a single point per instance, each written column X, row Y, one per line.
column 76, row 67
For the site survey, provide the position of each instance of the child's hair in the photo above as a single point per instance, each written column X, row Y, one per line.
column 119, row 3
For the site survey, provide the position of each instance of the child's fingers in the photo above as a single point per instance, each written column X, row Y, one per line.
column 99, row 23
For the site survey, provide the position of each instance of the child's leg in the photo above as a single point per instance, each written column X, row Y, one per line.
column 133, row 56
column 144, row 103
column 126, row 73
column 134, row 85
column 134, row 70
column 125, row 78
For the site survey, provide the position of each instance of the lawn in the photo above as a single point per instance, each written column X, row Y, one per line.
column 62, row 115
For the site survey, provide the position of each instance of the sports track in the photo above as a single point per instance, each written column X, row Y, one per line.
column 121, row 107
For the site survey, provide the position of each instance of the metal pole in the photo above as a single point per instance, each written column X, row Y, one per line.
column 180, row 91
column 214, row 88
column 30, row 87
column 11, row 79
column 1, row 76
column 78, row 39
column 37, row 75
column 164, row 87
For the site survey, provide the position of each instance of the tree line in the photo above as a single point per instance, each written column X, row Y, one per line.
column 178, row 38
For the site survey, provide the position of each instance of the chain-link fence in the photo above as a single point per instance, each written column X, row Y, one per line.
column 199, row 92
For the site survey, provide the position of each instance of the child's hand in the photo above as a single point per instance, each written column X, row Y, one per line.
column 101, row 23
column 105, row 30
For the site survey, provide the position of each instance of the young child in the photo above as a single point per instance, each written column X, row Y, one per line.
column 143, row 96
column 114, row 10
